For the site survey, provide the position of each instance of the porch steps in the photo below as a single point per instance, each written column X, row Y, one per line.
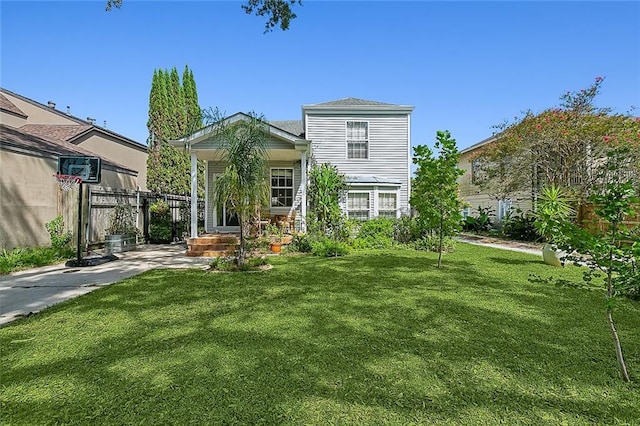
column 212, row 245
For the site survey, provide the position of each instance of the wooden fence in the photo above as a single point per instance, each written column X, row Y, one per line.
column 103, row 200
column 590, row 221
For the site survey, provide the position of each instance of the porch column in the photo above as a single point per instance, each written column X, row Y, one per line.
column 194, row 195
column 303, row 180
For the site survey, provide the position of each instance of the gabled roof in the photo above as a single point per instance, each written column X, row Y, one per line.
column 55, row 131
column 75, row 119
column 356, row 105
column 14, row 139
column 371, row 180
column 7, row 105
column 479, row 144
column 350, row 102
column 292, row 126
column 205, row 133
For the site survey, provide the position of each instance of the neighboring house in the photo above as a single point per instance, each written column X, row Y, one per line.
column 475, row 196
column 367, row 141
column 32, row 136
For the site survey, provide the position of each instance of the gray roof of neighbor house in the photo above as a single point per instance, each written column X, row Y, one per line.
column 351, row 102
column 371, row 180
column 7, row 105
column 15, row 139
column 479, row 144
column 290, row 126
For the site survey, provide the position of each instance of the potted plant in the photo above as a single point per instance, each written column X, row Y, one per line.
column 553, row 210
column 275, row 238
column 121, row 235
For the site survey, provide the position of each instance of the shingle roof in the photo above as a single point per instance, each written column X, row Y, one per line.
column 371, row 180
column 7, row 105
column 60, row 132
column 14, row 137
column 290, row 126
column 351, row 102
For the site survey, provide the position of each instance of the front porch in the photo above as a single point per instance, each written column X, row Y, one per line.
column 287, row 156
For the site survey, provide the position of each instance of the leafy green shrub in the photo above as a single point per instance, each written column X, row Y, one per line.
column 31, row 257
column 59, row 239
column 230, row 264
column 122, row 220
column 375, row 233
column 521, row 226
column 160, row 225
column 431, row 243
column 326, row 247
column 407, row 229
column 480, row 222
column 301, row 243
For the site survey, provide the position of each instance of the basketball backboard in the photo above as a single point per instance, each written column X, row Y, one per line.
column 87, row 168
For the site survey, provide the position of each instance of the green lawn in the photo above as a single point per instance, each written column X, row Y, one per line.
column 373, row 338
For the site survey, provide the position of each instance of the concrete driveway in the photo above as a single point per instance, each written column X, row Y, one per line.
column 32, row 290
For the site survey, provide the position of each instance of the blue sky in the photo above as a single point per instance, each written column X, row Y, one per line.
column 465, row 66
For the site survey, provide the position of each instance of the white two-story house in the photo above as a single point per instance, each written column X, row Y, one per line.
column 369, row 142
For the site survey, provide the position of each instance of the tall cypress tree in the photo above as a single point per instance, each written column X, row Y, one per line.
column 168, row 168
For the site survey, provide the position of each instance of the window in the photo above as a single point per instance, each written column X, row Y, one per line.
column 466, row 212
column 475, row 171
column 504, row 208
column 387, row 204
column 357, row 139
column 358, row 205
column 281, row 187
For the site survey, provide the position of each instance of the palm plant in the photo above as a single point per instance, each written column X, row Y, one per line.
column 243, row 185
column 553, row 209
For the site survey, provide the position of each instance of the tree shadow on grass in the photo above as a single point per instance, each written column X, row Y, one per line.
column 310, row 343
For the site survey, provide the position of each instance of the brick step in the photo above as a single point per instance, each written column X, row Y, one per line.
column 210, row 246
column 214, row 239
column 208, row 253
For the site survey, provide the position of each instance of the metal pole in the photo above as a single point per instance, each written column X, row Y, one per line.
column 79, row 259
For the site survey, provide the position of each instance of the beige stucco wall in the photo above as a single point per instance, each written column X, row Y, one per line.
column 475, row 197
column 12, row 119
column 134, row 158
column 31, row 197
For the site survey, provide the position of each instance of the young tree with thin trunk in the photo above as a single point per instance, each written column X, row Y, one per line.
column 435, row 187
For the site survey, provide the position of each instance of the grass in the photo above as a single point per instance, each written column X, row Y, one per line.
column 30, row 257
column 371, row 338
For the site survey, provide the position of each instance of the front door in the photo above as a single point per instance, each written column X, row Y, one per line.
column 225, row 220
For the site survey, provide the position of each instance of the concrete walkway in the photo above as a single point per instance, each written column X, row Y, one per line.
column 480, row 240
column 32, row 290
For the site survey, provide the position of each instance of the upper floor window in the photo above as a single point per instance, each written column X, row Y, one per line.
column 357, row 139
column 281, row 187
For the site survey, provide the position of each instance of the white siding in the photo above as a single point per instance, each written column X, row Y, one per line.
column 388, row 147
column 216, row 168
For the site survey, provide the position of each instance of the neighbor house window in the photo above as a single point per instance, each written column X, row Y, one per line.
column 387, row 204
column 357, row 139
column 466, row 212
column 358, row 205
column 504, row 208
column 281, row 187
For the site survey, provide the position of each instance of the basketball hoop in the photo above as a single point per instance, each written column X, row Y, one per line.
column 68, row 181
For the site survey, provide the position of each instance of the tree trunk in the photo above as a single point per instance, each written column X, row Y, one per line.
column 241, row 250
column 441, row 236
column 612, row 327
column 616, row 343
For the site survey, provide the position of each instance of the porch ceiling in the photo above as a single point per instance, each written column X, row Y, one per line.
column 272, row 155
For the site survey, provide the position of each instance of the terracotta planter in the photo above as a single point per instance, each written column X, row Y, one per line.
column 276, row 247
